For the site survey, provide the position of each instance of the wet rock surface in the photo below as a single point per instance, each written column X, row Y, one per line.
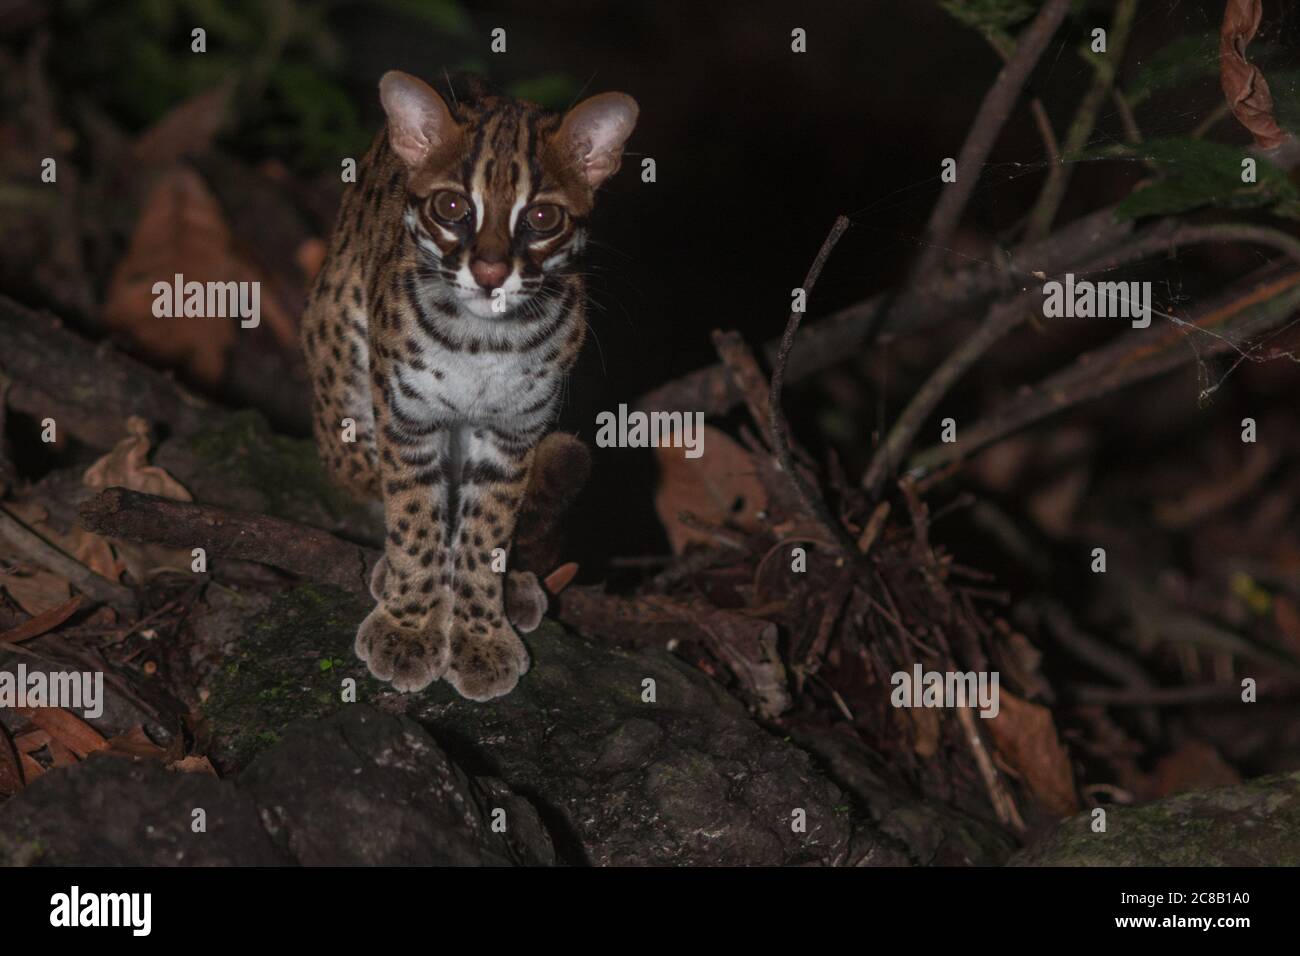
column 1250, row 824
column 601, row 756
column 361, row 787
column 628, row 758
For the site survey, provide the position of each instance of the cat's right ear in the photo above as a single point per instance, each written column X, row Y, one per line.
column 418, row 119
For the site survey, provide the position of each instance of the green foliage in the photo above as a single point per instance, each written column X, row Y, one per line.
column 1285, row 87
column 1185, row 60
column 1197, row 173
column 992, row 18
column 134, row 62
column 990, row 15
column 553, row 90
column 445, row 17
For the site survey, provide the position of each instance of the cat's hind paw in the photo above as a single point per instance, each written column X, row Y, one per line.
column 525, row 600
column 409, row 658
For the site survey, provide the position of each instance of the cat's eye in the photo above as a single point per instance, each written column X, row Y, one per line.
column 544, row 217
column 449, row 207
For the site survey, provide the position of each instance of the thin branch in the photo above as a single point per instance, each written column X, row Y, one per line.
column 1005, row 316
column 1058, row 178
column 1001, row 319
column 992, row 116
column 1132, row 132
column 35, row 548
column 811, row 501
column 1250, row 310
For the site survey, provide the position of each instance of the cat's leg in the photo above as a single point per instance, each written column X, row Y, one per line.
column 487, row 656
column 560, row 468
column 404, row 639
column 334, row 341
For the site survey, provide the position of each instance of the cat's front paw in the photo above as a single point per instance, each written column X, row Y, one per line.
column 409, row 658
column 486, row 662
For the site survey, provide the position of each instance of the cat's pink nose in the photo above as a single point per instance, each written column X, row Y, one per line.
column 490, row 275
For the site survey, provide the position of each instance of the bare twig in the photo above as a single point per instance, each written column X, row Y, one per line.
column 1058, row 177
column 1002, row 318
column 992, row 116
column 1005, row 316
column 746, row 375
column 811, row 501
column 1249, row 309
column 32, row 546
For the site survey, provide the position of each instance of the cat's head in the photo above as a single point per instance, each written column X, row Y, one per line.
column 499, row 190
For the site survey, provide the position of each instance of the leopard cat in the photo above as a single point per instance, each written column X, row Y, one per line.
column 438, row 335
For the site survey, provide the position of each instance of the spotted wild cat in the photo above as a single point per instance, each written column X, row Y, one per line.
column 443, row 323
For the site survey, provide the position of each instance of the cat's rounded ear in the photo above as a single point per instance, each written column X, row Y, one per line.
column 593, row 133
column 418, row 119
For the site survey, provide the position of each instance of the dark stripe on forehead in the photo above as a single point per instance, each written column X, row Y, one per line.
column 534, row 164
column 471, row 158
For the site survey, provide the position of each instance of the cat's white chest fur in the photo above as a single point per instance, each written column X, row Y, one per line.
column 487, row 388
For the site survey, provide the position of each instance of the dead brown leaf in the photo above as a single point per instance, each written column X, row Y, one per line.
column 127, row 466
column 11, row 768
column 136, row 743
column 194, row 763
column 90, row 549
column 1025, row 736
column 560, row 578
column 925, row 729
column 31, row 768
column 39, row 624
column 36, row 591
column 1193, row 766
column 721, row 487
column 1243, row 84
column 182, row 231
column 66, row 728
column 187, row 130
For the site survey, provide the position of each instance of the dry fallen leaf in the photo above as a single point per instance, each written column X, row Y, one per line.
column 136, row 743
column 1025, row 736
column 11, row 773
column 558, row 579
column 719, row 487
column 127, row 466
column 66, row 728
column 188, row 129
column 1243, row 84
column 36, row 591
column 182, row 231
column 925, row 729
column 194, row 763
column 90, row 549
column 39, row 624
column 1193, row 766
column 31, row 768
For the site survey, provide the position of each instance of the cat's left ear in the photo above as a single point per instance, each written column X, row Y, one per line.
column 593, row 133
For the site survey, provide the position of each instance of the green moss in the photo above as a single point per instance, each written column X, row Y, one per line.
column 275, row 675
column 1250, row 824
column 243, row 450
